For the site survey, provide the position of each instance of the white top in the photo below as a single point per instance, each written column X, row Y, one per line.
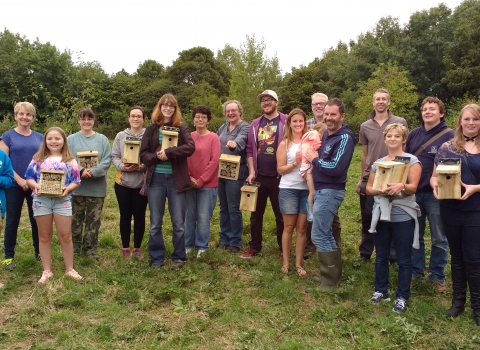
column 293, row 179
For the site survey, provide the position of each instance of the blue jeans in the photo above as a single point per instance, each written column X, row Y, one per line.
column 430, row 208
column 325, row 205
column 200, row 205
column 160, row 189
column 15, row 198
column 402, row 235
column 231, row 220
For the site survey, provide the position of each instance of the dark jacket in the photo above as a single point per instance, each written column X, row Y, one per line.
column 418, row 137
column 177, row 155
column 331, row 166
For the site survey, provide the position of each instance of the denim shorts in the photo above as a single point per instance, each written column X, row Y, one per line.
column 293, row 201
column 48, row 205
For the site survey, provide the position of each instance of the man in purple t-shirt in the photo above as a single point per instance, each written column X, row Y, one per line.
column 264, row 135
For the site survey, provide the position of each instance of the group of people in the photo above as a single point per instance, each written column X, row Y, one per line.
column 299, row 164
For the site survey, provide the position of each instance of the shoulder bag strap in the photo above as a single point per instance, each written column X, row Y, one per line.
column 433, row 139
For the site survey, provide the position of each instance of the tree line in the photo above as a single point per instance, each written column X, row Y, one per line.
column 435, row 53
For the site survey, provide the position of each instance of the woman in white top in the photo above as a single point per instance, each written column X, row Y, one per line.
column 293, row 189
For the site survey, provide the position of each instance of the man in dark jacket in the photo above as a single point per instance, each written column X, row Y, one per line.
column 330, row 167
column 433, row 128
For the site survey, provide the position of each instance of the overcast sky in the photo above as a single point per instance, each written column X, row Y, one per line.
column 122, row 34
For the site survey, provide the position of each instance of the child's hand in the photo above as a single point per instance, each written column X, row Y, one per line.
column 36, row 190
column 299, row 156
column 64, row 193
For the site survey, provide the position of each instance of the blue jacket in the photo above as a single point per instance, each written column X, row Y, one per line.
column 418, row 137
column 334, row 156
column 6, row 179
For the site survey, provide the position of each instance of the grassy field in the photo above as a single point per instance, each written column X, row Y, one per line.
column 217, row 302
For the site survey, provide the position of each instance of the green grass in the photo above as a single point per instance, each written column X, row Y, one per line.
column 217, row 302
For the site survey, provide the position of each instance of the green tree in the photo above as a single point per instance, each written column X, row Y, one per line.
column 426, row 37
column 403, row 96
column 194, row 67
column 252, row 72
column 462, row 54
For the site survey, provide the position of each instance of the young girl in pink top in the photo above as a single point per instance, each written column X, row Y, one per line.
column 312, row 140
column 54, row 154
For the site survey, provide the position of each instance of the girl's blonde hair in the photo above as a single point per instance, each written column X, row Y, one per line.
column 320, row 128
column 458, row 138
column 43, row 152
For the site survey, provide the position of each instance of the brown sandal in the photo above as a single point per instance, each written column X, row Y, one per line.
column 285, row 269
column 301, row 271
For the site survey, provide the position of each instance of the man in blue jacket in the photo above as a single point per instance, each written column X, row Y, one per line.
column 330, row 167
column 6, row 181
column 424, row 142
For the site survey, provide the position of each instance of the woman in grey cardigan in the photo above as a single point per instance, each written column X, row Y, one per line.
column 128, row 182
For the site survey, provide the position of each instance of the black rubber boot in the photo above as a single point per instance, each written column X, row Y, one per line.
column 330, row 268
column 473, row 276
column 459, row 284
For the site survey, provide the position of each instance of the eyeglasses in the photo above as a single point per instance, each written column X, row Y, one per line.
column 136, row 117
column 168, row 106
column 231, row 110
column 270, row 100
column 201, row 117
column 319, row 104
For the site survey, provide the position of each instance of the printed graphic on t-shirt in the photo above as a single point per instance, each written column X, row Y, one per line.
column 266, row 138
column 433, row 149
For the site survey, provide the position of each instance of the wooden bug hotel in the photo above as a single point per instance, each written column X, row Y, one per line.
column 448, row 178
column 131, row 150
column 52, row 182
column 170, row 137
column 248, row 197
column 229, row 167
column 391, row 171
column 87, row 159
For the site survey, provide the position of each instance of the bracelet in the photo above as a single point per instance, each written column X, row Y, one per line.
column 403, row 190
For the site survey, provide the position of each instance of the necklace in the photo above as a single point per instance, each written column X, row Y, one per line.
column 470, row 138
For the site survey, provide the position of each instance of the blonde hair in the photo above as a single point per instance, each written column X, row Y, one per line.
column 43, row 152
column 27, row 106
column 320, row 128
column 403, row 131
column 459, row 138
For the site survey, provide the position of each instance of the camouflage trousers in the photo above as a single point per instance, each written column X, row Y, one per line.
column 88, row 210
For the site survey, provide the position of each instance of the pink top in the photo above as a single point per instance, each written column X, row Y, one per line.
column 203, row 163
column 310, row 141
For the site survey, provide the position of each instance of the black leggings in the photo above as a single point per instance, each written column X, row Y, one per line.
column 131, row 203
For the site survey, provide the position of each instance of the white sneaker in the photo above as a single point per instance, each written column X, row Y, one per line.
column 200, row 253
column 188, row 250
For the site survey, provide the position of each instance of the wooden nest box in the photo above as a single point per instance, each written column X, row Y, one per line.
column 52, row 182
column 170, row 137
column 248, row 197
column 229, row 167
column 448, row 178
column 391, row 171
column 131, row 150
column 87, row 159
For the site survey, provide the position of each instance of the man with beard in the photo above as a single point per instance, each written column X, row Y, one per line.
column 371, row 137
column 330, row 168
column 318, row 109
column 264, row 136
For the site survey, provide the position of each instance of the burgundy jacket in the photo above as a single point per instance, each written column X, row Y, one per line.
column 177, row 155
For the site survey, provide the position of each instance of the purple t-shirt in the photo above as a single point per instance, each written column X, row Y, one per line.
column 22, row 148
column 267, row 141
